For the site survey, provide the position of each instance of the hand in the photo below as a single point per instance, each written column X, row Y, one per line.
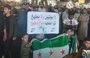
column 5, row 35
column 14, row 38
column 4, row 30
column 31, row 42
column 87, row 51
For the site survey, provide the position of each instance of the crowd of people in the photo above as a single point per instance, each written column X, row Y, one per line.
column 14, row 40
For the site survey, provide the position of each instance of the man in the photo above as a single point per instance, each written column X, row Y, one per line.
column 44, row 48
column 9, row 27
column 70, row 23
column 42, row 7
column 22, row 20
column 28, row 8
column 12, row 4
column 50, row 8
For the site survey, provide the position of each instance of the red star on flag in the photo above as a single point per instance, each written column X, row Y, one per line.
column 63, row 52
column 51, row 52
column 39, row 55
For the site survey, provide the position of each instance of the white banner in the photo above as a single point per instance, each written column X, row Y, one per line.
column 42, row 22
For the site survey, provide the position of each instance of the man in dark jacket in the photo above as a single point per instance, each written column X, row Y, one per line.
column 22, row 21
column 10, row 29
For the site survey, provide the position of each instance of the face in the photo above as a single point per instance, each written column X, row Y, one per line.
column 87, row 44
column 6, row 10
column 84, row 11
column 27, row 6
column 70, row 32
column 78, row 11
column 23, row 6
column 71, row 17
column 14, row 38
column 50, row 5
column 40, row 36
column 25, row 38
column 11, row 4
column 41, row 5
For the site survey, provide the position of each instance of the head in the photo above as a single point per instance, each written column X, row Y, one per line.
column 7, row 9
column 78, row 11
column 70, row 17
column 0, row 3
column 40, row 36
column 25, row 37
column 27, row 5
column 1, row 6
column 41, row 4
column 11, row 4
column 23, row 6
column 84, row 11
column 87, row 42
column 59, row 9
column 70, row 32
column 88, row 10
column 50, row 5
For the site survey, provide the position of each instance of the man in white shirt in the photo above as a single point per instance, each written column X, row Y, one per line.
column 70, row 23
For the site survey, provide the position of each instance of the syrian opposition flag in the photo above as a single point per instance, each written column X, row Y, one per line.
column 56, row 47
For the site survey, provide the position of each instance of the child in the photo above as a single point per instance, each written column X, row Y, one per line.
column 25, row 46
column 84, row 51
column 72, row 41
column 86, row 48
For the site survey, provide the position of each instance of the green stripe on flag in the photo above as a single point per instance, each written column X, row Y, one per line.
column 58, row 41
column 39, row 45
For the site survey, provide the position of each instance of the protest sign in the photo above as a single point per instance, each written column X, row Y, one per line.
column 42, row 22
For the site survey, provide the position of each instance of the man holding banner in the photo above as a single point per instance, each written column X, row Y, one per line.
column 50, row 48
column 56, row 47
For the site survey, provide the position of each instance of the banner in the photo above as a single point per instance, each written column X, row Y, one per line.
column 42, row 22
column 57, row 47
